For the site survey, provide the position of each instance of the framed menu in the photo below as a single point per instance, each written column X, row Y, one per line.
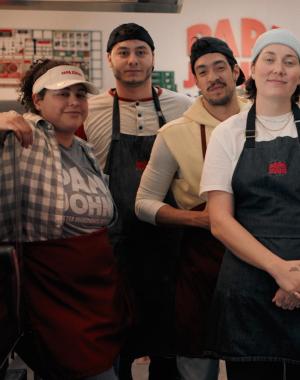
column 20, row 47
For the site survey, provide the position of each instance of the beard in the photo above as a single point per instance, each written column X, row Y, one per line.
column 219, row 102
column 134, row 82
column 226, row 99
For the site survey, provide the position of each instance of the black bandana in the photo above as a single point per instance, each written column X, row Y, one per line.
column 130, row 31
column 206, row 45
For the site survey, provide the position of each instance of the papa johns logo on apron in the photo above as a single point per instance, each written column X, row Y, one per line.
column 277, row 168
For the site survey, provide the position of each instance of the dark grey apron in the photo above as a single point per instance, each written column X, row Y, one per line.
column 245, row 324
column 146, row 253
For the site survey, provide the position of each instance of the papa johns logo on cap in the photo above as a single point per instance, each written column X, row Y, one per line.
column 72, row 72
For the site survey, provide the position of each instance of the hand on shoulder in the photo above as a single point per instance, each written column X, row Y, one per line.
column 12, row 121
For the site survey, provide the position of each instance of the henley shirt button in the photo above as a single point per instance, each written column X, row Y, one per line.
column 137, row 103
column 140, row 127
column 139, row 115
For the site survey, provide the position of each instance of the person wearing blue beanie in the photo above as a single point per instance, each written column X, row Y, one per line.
column 251, row 176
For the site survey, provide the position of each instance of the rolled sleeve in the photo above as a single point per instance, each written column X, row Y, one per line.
column 155, row 182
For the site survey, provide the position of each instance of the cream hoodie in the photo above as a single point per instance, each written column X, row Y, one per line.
column 176, row 161
column 183, row 138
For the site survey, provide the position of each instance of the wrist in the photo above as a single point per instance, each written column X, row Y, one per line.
column 274, row 266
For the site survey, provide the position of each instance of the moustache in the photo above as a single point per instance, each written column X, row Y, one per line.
column 216, row 83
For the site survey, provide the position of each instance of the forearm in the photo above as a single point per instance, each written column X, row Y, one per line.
column 173, row 216
column 146, row 209
column 245, row 246
column 155, row 182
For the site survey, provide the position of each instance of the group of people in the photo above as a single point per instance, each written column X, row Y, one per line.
column 124, row 253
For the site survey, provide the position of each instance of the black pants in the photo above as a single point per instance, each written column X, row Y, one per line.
column 262, row 371
column 160, row 368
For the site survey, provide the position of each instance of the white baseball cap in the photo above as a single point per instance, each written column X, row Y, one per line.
column 62, row 76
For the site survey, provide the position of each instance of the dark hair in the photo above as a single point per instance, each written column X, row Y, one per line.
column 206, row 45
column 129, row 31
column 37, row 69
column 251, row 90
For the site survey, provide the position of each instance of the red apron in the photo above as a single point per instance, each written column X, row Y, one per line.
column 197, row 275
column 73, row 303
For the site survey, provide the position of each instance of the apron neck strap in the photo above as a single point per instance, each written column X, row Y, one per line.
column 160, row 115
column 296, row 113
column 250, row 127
column 115, row 137
column 203, row 140
column 116, row 118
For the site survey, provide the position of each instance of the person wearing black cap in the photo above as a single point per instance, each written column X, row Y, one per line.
column 122, row 126
column 176, row 161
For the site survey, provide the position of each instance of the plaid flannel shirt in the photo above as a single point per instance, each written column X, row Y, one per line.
column 41, row 189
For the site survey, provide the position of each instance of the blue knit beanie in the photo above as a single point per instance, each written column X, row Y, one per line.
column 275, row 36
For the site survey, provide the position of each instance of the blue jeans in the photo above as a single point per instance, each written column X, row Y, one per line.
column 107, row 375
column 197, row 369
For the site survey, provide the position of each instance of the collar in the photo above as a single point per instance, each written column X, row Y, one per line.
column 158, row 89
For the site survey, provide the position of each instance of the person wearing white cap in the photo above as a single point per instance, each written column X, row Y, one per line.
column 252, row 177
column 70, row 277
column 122, row 124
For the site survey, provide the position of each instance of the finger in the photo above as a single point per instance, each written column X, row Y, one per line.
column 291, row 306
column 27, row 139
column 23, row 132
column 296, row 294
column 18, row 135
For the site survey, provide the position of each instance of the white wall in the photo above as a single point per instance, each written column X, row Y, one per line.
column 167, row 30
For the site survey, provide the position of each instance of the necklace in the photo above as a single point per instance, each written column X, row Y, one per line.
column 283, row 122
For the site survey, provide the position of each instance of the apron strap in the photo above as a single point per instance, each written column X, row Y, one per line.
column 160, row 115
column 203, row 140
column 115, row 133
column 296, row 112
column 250, row 128
column 116, row 125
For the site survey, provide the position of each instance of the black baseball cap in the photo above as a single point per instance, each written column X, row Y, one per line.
column 206, row 45
column 129, row 31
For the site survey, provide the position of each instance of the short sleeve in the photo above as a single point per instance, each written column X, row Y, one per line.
column 223, row 152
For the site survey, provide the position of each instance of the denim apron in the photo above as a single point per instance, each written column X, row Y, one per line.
column 146, row 253
column 245, row 324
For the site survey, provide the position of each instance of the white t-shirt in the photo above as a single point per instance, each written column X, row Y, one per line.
column 227, row 142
